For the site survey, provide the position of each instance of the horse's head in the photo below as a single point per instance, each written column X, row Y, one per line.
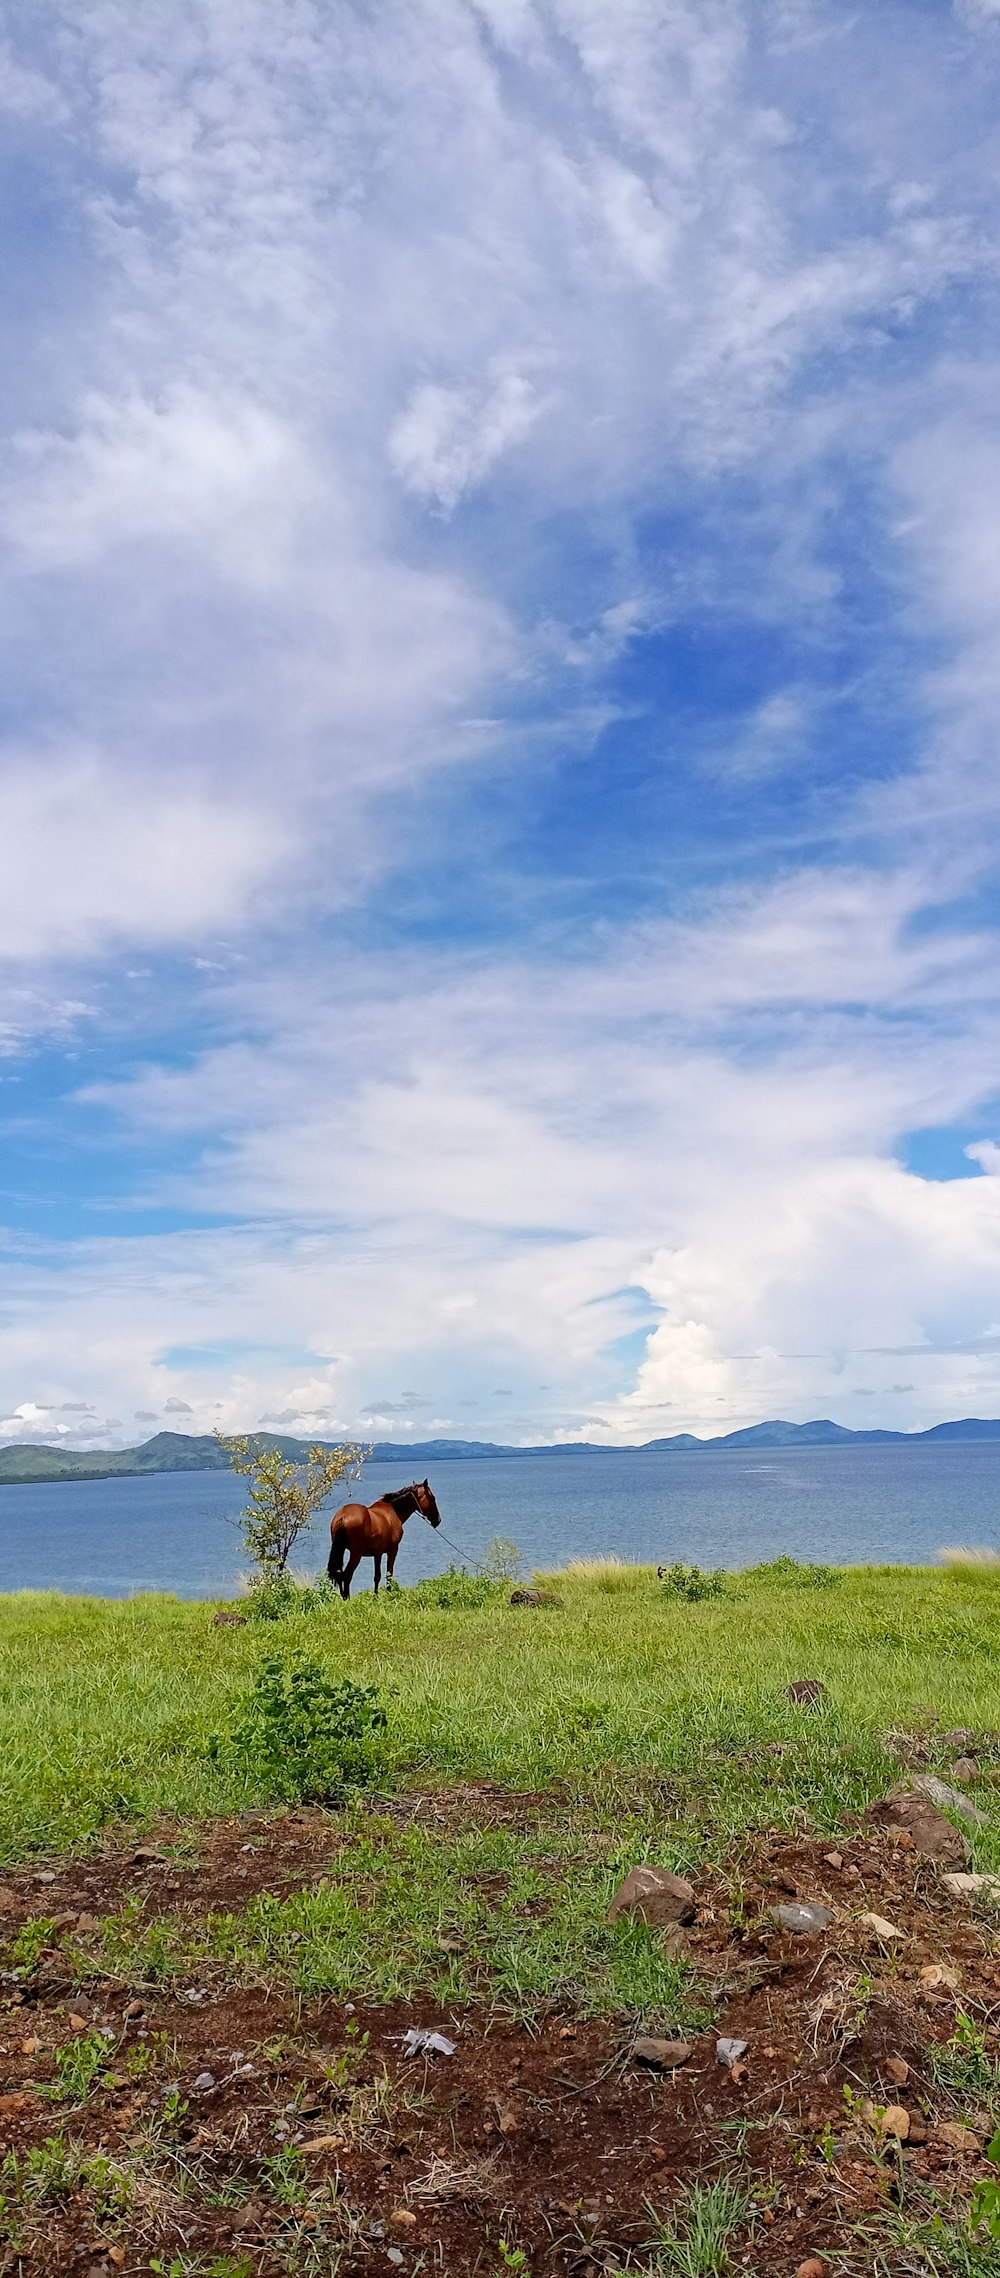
column 425, row 1501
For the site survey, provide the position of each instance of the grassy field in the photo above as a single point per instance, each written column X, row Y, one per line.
column 107, row 1708
column 530, row 1756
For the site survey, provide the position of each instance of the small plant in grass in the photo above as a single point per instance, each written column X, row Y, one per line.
column 690, row 1582
column 221, row 2266
column 456, row 1590
column 511, row 2257
column 285, row 1497
column 31, row 1941
column 303, row 1737
column 339, row 2069
column 286, row 2176
column 985, row 2210
column 964, row 2064
column 501, row 1561
column 793, row 1574
column 274, row 1597
column 38, row 2178
column 78, row 2067
column 697, row 2245
column 171, row 2120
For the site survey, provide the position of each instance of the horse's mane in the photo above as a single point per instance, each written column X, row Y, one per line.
column 396, row 1496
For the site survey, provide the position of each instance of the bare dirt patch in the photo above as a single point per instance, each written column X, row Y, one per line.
column 295, row 2135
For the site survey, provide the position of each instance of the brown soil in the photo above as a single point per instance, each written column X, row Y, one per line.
column 549, row 2135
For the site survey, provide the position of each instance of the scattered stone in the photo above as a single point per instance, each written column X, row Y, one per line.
column 323, row 2143
column 222, row 1620
column 508, row 2123
column 918, row 2131
column 947, row 1799
column 83, row 2007
column 812, row 2267
column 965, row 1769
column 972, row 1886
column 939, row 1973
column 77, row 2021
column 806, row 1692
column 419, row 2042
column 84, row 1924
column 956, row 2137
column 833, row 1859
column 152, row 1851
column 910, row 1810
column 896, row 2122
column 393, row 2255
column 534, row 1598
column 132, row 2009
column 655, row 1895
column 664, row 2056
column 881, row 1927
column 898, row 2071
column 43, row 1875
column 729, row 2052
column 204, row 2082
column 402, row 2219
column 961, row 1738
column 805, row 1918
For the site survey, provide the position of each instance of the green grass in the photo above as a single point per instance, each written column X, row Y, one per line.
column 107, row 1709
column 526, row 1913
column 697, row 2242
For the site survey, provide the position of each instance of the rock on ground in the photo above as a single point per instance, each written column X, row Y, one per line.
column 655, row 1896
column 930, row 1832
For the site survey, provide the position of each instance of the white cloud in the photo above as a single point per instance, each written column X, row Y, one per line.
column 394, row 341
column 189, row 469
column 91, row 856
column 449, row 439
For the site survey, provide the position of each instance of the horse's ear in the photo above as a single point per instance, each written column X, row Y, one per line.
column 427, row 1484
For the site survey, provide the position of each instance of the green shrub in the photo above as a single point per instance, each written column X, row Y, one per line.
column 457, row 1588
column 273, row 1597
column 691, row 1582
column 302, row 1737
column 789, row 1574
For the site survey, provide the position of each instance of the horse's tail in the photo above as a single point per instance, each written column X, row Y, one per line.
column 338, row 1553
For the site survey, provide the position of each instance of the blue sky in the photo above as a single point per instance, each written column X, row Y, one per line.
column 500, row 562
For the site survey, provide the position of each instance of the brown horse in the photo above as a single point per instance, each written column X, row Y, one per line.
column 362, row 1530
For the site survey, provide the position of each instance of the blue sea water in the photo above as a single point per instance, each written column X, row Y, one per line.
column 727, row 1507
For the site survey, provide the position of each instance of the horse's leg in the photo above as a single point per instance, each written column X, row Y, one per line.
column 377, row 1563
column 350, row 1571
column 390, row 1562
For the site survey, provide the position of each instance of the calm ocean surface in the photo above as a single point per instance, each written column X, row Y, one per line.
column 175, row 1530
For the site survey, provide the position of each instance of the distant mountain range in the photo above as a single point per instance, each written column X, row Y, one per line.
column 22, row 1462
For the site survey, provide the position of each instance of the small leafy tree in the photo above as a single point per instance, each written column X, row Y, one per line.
column 284, row 1496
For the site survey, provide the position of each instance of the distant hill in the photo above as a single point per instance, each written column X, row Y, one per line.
column 22, row 1462
column 823, row 1433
